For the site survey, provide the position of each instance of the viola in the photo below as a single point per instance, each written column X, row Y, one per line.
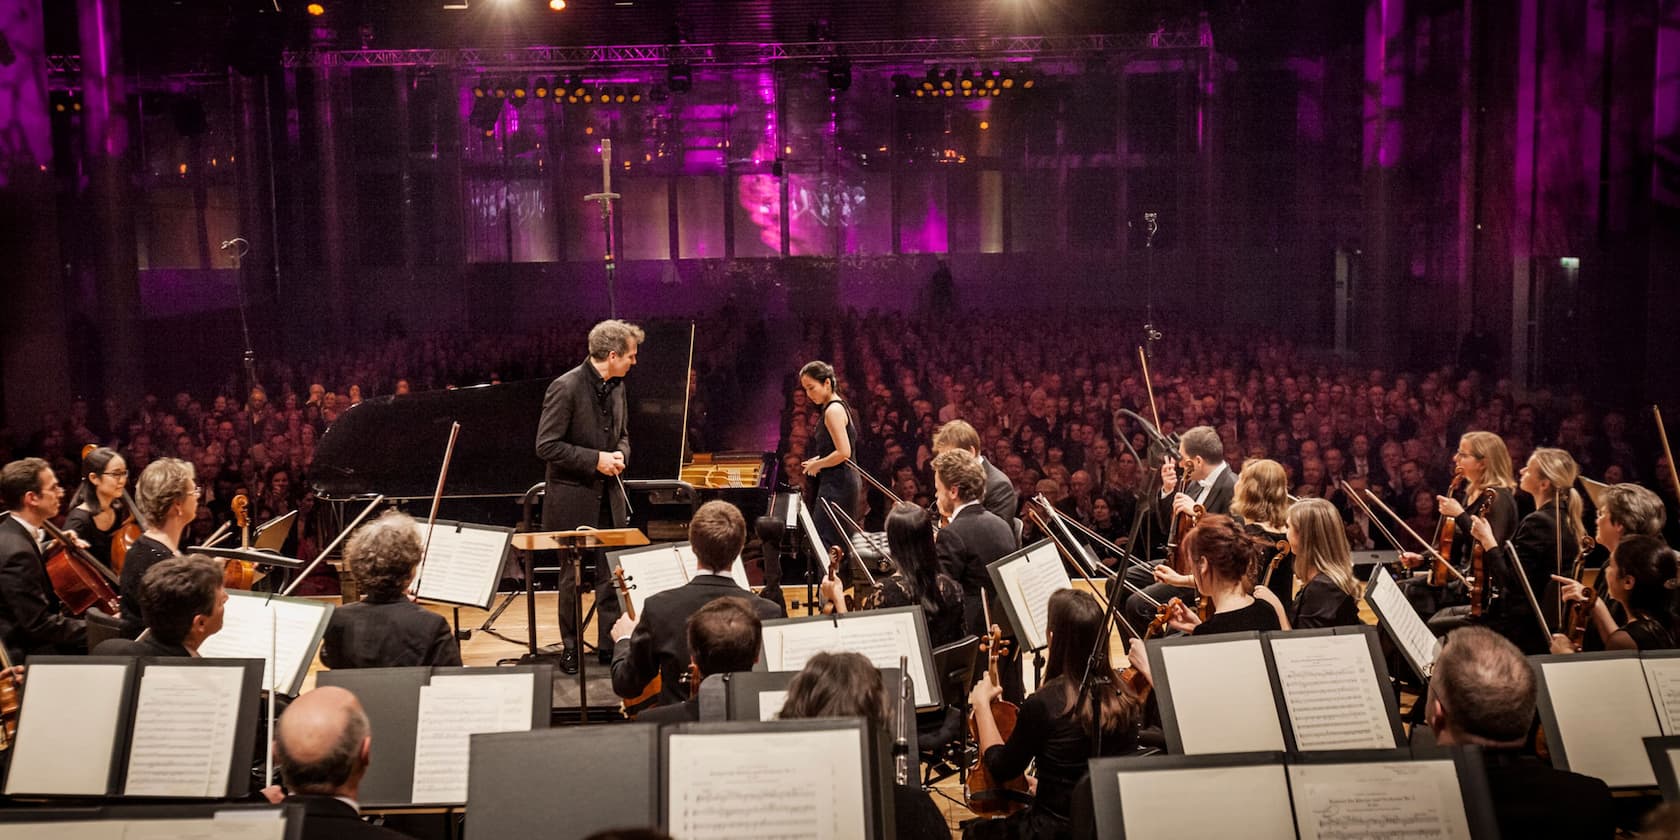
column 79, row 580
column 124, row 537
column 1579, row 616
column 1280, row 551
column 650, row 692
column 983, row 794
column 239, row 574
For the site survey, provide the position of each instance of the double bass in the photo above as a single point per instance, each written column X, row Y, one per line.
column 981, row 793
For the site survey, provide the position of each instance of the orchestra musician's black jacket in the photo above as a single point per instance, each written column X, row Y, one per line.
column 149, row 646
column 1537, row 544
column 1000, row 497
column 389, row 634
column 30, row 617
column 582, row 416
column 330, row 818
column 974, row 538
column 659, row 644
column 1533, row 799
column 1218, row 499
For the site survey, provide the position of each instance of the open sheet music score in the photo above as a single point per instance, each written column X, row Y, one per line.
column 1405, row 627
column 1253, row 802
column 716, row 784
column 1216, row 694
column 463, row 563
column 649, row 570
column 1025, row 581
column 1331, row 693
column 185, row 723
column 1662, row 677
column 70, row 710
column 272, row 628
column 880, row 635
column 1378, row 800
column 1597, row 709
column 234, row 825
column 452, row 709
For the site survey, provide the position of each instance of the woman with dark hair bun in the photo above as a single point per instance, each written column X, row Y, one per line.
column 832, row 445
column 1223, row 555
column 98, row 509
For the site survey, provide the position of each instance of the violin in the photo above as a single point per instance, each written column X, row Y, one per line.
column 1579, row 616
column 78, row 579
column 1475, row 582
column 983, row 794
column 834, row 557
column 11, row 701
column 1445, row 531
column 650, row 692
column 239, row 574
column 1281, row 550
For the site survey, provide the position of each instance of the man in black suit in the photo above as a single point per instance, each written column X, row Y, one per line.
column 183, row 600
column 1209, row 483
column 583, row 436
column 723, row 637
column 972, row 538
column 999, row 496
column 1482, row 692
column 655, row 643
column 322, row 745
column 30, row 620
column 385, row 629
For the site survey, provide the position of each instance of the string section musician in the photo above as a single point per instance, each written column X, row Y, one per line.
column 1208, row 483
column 30, row 618
column 584, row 438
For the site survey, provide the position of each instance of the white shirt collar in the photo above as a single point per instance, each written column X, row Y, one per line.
column 351, row 802
column 960, row 507
column 1207, row 482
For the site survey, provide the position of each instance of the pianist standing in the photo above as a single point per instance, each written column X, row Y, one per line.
column 584, row 439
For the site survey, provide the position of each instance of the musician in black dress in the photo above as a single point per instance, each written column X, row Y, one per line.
column 184, row 603
column 1223, row 557
column 1329, row 595
column 919, row 580
column 1485, row 463
column 584, row 438
column 832, row 444
column 1058, row 727
column 1546, row 542
column 97, row 510
column 1640, row 576
column 1261, row 501
column 385, row 629
column 30, row 621
column 167, row 496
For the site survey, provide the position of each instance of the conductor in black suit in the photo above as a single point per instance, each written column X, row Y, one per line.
column 584, row 438
column 656, row 642
column 1210, row 483
column 30, row 617
column 999, row 497
column 972, row 538
column 1482, row 693
column 322, row 747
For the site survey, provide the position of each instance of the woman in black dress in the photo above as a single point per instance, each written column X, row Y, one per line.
column 1329, row 595
column 832, row 444
column 1552, row 533
column 98, row 509
column 167, row 496
column 1224, row 560
column 1640, row 575
column 1058, row 729
column 919, row 582
column 1261, row 499
column 1485, row 463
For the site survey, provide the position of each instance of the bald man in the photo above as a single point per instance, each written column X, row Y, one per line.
column 321, row 746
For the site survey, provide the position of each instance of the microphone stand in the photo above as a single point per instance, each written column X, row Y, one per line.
column 239, row 248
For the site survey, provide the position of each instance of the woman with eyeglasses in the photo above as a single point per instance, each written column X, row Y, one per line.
column 1489, row 494
column 167, row 498
column 98, row 510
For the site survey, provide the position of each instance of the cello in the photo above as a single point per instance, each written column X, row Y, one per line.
column 239, row 574
column 78, row 579
column 981, row 793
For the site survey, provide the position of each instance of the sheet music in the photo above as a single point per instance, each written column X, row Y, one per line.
column 453, row 708
column 461, row 566
column 1253, row 802
column 648, row 573
column 770, row 704
column 1222, row 697
column 269, row 826
column 1662, row 677
column 691, row 564
column 1389, row 800
column 789, row 646
column 184, row 726
column 69, row 710
column 808, row 524
column 67, row 830
column 880, row 637
column 1331, row 694
column 1029, row 582
column 1402, row 622
column 256, row 626
column 717, row 786
column 1603, row 712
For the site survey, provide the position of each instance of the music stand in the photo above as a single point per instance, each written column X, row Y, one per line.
column 571, row 543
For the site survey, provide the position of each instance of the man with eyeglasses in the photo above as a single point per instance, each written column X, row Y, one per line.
column 167, row 496
column 31, row 620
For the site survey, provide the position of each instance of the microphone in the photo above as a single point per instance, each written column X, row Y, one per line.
column 229, row 243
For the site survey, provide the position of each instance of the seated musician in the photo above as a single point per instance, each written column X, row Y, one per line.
column 30, row 619
column 1058, row 729
column 183, row 599
column 1223, row 557
column 1329, row 595
column 1624, row 510
column 999, row 496
column 1260, row 500
column 655, row 643
column 1485, row 464
column 1641, row 578
column 1540, row 539
column 97, row 509
column 1209, row 483
column 919, row 580
column 322, row 746
column 1483, row 693
column 723, row 637
column 385, row 629
column 848, row 685
column 167, row 496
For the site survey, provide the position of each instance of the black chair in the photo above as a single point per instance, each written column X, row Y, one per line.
column 942, row 734
column 100, row 627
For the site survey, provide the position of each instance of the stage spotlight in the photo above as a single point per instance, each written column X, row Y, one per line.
column 968, row 80
column 1026, row 84
column 991, row 80
column 519, row 93
column 619, row 96
column 996, row 91
column 556, row 5
column 1008, row 81
column 949, row 80
column 635, row 95
column 500, row 88
column 539, row 87
column 680, row 77
column 576, row 85
column 479, row 88
column 932, row 80
column 839, row 71
column 588, row 98
column 315, row 9
column 900, row 85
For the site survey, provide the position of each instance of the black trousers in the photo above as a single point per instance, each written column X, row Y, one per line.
column 607, row 609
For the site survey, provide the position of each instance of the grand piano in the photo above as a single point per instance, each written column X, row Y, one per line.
column 394, row 446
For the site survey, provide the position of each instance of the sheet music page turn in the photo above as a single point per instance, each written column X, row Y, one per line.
column 257, row 627
column 462, row 566
column 1405, row 627
column 1029, row 584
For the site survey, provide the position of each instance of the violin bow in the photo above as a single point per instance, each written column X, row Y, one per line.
column 437, row 500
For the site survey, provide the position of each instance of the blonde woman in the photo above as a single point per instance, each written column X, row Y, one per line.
column 1329, row 595
column 1551, row 532
column 1485, row 463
